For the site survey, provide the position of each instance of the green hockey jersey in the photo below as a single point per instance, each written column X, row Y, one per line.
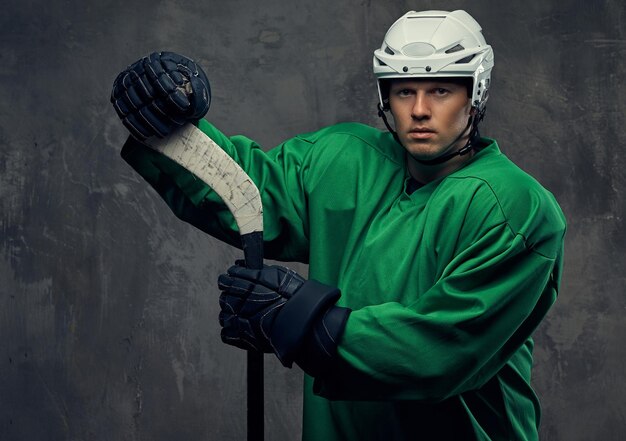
column 446, row 283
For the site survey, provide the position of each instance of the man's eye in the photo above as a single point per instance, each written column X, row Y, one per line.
column 441, row 91
column 404, row 92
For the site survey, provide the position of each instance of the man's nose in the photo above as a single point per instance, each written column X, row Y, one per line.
column 421, row 106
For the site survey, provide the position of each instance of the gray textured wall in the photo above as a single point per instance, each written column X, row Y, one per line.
column 108, row 304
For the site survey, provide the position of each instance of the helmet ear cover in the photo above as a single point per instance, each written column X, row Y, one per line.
column 385, row 85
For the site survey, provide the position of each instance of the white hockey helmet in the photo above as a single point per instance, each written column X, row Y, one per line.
column 431, row 44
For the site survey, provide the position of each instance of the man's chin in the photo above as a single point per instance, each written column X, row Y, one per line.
column 423, row 150
column 427, row 149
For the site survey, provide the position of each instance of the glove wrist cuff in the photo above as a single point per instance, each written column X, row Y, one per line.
column 297, row 317
column 319, row 351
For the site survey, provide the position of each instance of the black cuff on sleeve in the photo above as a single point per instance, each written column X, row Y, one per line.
column 298, row 316
column 318, row 352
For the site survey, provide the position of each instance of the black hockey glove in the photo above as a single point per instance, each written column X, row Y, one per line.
column 276, row 310
column 159, row 93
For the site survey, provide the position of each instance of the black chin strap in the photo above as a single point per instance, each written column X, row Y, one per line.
column 472, row 140
column 381, row 113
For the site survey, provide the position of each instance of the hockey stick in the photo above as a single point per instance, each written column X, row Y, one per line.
column 199, row 154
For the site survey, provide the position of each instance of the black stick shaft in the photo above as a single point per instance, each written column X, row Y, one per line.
column 253, row 254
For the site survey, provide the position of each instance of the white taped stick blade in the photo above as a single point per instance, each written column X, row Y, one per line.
column 195, row 151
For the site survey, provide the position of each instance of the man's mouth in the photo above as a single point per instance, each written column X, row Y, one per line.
column 421, row 132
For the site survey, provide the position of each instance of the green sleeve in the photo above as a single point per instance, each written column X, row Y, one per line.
column 456, row 335
column 280, row 175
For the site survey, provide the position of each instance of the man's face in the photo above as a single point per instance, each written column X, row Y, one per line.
column 429, row 115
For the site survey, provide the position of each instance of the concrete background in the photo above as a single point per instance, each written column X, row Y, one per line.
column 108, row 303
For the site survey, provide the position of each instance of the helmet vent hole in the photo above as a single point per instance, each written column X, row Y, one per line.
column 389, row 51
column 456, row 48
column 465, row 60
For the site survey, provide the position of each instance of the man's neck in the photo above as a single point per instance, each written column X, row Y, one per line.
column 428, row 173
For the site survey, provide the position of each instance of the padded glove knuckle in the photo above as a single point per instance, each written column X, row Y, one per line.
column 137, row 127
column 158, row 126
column 121, row 108
column 178, row 101
column 291, row 283
column 224, row 281
column 161, row 108
column 134, row 100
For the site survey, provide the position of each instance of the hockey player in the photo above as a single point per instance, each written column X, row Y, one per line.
column 432, row 257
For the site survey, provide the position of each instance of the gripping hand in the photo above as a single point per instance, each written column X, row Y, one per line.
column 159, row 93
column 276, row 310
